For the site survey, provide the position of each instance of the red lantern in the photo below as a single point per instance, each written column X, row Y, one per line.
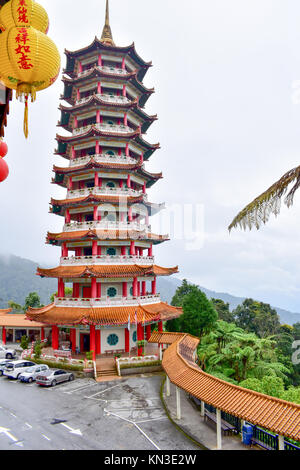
column 3, row 149
column 4, row 171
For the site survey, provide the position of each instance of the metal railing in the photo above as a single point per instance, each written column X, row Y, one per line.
column 105, row 259
column 103, row 158
column 107, row 301
column 103, row 225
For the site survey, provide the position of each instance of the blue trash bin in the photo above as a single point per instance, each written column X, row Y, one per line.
column 247, row 434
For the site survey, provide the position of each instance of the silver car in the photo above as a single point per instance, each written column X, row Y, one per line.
column 7, row 353
column 50, row 378
column 31, row 374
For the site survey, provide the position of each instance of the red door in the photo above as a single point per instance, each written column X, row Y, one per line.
column 87, row 292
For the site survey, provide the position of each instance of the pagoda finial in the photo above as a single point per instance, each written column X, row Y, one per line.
column 106, row 33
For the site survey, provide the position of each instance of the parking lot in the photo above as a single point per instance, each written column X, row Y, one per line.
column 85, row 415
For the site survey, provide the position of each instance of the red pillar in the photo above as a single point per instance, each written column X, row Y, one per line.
column 93, row 340
column 125, row 289
column 95, row 248
column 127, row 341
column 98, row 341
column 150, row 251
column 132, row 249
column 148, row 332
column 67, row 217
column 154, row 286
column 42, row 334
column 135, row 287
column 61, row 288
column 144, row 288
column 94, row 288
column 128, row 181
column 99, row 290
column 160, row 326
column 73, row 339
column 55, row 337
column 139, row 338
column 3, row 335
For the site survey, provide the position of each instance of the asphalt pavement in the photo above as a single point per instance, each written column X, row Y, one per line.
column 85, row 415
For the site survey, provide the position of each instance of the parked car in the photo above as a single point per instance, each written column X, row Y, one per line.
column 30, row 374
column 14, row 369
column 7, row 353
column 54, row 377
column 3, row 364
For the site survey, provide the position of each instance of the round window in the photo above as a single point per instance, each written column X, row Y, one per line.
column 134, row 337
column 110, row 152
column 111, row 251
column 112, row 339
column 112, row 292
column 110, row 184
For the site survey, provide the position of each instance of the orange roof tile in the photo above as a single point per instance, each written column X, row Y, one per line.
column 279, row 416
column 107, row 235
column 53, row 315
column 5, row 311
column 106, row 271
column 18, row 321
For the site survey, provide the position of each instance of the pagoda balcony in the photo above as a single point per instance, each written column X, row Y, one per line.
column 103, row 158
column 105, row 191
column 104, row 225
column 106, row 260
column 104, row 68
column 109, row 98
column 107, row 301
column 119, row 129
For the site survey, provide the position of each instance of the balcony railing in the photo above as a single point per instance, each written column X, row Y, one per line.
column 103, row 158
column 104, row 225
column 105, row 97
column 107, row 301
column 105, row 191
column 104, row 68
column 105, row 260
column 120, row 129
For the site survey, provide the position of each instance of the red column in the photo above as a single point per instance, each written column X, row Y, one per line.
column 42, row 334
column 127, row 341
column 142, row 157
column 130, row 214
column 73, row 154
column 132, row 249
column 135, row 287
column 150, row 251
column 94, row 288
column 61, row 288
column 121, row 184
column 125, row 289
column 123, row 63
column 123, row 250
column 100, row 60
column 70, row 185
column 95, row 248
column 95, row 213
column 93, row 340
column 98, row 341
column 144, row 288
column 73, row 339
column 154, row 286
column 98, row 118
column 99, row 89
column 3, row 335
column 55, row 337
column 160, row 326
column 67, row 217
column 125, row 120
column 127, row 150
column 96, row 183
column 128, row 181
column 78, row 94
column 80, row 67
column 124, row 90
column 139, row 338
column 148, row 332
column 99, row 248
column 144, row 188
column 99, row 290
column 76, row 290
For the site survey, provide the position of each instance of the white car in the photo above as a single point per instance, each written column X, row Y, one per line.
column 14, row 369
column 6, row 353
column 30, row 374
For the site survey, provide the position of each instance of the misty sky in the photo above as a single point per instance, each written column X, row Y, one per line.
column 227, row 81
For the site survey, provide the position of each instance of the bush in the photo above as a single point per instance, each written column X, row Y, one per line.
column 140, row 364
column 24, row 342
column 37, row 350
column 58, row 365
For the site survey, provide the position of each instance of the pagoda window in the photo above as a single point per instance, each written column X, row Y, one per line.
column 91, row 151
column 89, row 218
column 134, row 336
column 110, row 152
column 111, row 251
column 112, row 340
column 110, row 184
column 111, row 292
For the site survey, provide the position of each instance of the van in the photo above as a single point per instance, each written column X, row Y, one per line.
column 14, row 369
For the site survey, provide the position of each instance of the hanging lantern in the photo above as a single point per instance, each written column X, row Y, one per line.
column 30, row 61
column 22, row 13
column 4, row 171
column 3, row 149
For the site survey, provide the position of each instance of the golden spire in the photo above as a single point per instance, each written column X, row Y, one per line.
column 106, row 33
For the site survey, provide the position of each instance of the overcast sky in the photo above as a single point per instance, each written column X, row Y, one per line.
column 226, row 75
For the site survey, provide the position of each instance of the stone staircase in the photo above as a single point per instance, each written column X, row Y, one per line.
column 106, row 370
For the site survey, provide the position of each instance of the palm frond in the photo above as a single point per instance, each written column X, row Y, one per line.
column 269, row 202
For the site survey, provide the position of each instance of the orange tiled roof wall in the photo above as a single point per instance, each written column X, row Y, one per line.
column 271, row 413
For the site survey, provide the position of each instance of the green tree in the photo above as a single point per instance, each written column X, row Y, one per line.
column 199, row 315
column 223, row 311
column 257, row 317
column 16, row 308
column 177, row 301
column 32, row 300
column 68, row 293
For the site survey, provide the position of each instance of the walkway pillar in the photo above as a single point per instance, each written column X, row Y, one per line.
column 140, row 338
column 42, row 334
column 3, row 335
column 178, row 404
column 219, row 429
column 160, row 327
column 280, row 443
column 127, row 340
column 168, row 391
column 202, row 409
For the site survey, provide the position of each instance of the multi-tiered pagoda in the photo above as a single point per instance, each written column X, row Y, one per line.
column 106, row 242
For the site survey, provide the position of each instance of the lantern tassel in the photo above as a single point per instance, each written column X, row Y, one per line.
column 26, row 117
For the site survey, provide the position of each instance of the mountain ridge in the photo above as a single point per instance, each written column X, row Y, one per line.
column 18, row 279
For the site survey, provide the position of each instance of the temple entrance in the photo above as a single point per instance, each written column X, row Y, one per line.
column 84, row 342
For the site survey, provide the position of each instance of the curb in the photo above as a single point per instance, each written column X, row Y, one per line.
column 182, row 429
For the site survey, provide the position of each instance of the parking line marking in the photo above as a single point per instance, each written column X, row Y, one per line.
column 99, row 393
column 48, row 438
column 29, row 425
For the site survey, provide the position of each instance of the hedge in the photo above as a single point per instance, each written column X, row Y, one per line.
column 133, row 365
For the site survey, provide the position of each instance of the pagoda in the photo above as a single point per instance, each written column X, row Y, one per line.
column 106, row 242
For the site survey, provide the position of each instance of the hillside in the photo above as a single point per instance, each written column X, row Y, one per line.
column 17, row 279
